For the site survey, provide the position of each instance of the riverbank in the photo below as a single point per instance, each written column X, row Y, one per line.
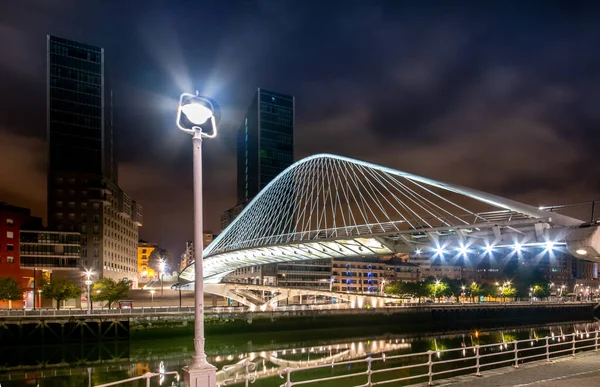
column 425, row 318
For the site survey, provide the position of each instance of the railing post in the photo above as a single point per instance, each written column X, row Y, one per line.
column 477, row 365
column 148, row 380
column 596, row 342
column 369, row 371
column 573, row 344
column 430, row 364
column 516, row 350
column 547, row 348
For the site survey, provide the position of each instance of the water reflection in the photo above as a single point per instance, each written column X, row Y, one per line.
column 102, row 363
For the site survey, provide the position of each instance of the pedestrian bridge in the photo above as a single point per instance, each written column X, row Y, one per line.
column 260, row 297
column 328, row 206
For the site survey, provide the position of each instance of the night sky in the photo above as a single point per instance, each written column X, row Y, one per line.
column 501, row 96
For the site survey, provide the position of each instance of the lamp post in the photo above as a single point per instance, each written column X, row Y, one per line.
column 196, row 116
column 152, row 294
column 88, row 283
column 161, row 273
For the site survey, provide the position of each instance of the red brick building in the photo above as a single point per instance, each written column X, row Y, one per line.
column 11, row 220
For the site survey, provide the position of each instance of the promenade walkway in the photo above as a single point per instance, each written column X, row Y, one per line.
column 580, row 371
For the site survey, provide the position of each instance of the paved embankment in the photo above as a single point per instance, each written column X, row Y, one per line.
column 580, row 371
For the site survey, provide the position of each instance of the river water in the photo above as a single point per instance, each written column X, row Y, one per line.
column 91, row 365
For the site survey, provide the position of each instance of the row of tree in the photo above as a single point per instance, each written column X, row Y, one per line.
column 449, row 288
column 105, row 290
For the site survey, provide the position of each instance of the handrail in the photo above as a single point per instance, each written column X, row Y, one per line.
column 147, row 376
column 483, row 356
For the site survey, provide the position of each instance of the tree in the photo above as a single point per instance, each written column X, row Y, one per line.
column 413, row 289
column 9, row 290
column 474, row 290
column 437, row 289
column 509, row 291
column 60, row 290
column 109, row 290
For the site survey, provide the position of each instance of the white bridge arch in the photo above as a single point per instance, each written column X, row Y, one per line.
column 328, row 206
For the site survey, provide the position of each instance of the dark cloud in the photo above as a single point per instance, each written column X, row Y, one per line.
column 500, row 97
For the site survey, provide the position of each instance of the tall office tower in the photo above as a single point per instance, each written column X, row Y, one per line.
column 83, row 194
column 265, row 144
column 265, row 147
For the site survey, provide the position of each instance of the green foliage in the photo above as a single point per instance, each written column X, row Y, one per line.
column 509, row 291
column 9, row 289
column 474, row 291
column 437, row 289
column 408, row 289
column 110, row 290
column 60, row 290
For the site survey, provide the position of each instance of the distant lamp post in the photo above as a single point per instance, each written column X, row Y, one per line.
column 40, row 298
column 382, row 285
column 88, row 283
column 198, row 116
column 152, row 294
column 161, row 273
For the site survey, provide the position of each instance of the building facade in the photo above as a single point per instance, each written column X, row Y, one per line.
column 144, row 251
column 12, row 219
column 265, row 142
column 83, row 193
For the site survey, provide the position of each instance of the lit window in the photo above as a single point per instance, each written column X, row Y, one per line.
column 10, row 260
column 10, row 222
column 10, row 235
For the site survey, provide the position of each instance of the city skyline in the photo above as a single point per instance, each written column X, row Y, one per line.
column 511, row 113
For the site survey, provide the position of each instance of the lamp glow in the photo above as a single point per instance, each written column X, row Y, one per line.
column 439, row 250
column 463, row 250
column 581, row 251
column 549, row 246
column 196, row 113
column 489, row 249
column 517, row 247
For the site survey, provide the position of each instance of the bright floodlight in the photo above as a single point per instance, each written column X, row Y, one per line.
column 418, row 251
column 439, row 250
column 517, row 247
column 198, row 115
column 196, row 112
column 549, row 246
column 463, row 250
column 489, row 249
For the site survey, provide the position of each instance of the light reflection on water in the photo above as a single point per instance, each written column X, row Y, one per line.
column 91, row 365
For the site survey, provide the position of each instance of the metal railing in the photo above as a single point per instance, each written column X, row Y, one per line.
column 115, row 311
column 439, row 364
column 147, row 376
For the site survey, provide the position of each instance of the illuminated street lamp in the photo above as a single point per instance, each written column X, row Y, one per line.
column 152, row 294
column 198, row 116
column 161, row 273
column 88, row 283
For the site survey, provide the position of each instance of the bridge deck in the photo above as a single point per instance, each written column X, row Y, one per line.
column 580, row 371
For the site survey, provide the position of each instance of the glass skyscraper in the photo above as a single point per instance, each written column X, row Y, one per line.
column 265, row 142
column 83, row 192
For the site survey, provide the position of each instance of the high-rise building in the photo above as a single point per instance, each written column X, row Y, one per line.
column 265, row 146
column 265, row 143
column 83, row 192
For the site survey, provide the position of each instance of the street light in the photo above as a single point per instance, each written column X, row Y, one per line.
column 88, row 283
column 198, row 116
column 152, row 294
column 161, row 273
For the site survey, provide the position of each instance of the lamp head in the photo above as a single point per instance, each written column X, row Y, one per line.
column 198, row 113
